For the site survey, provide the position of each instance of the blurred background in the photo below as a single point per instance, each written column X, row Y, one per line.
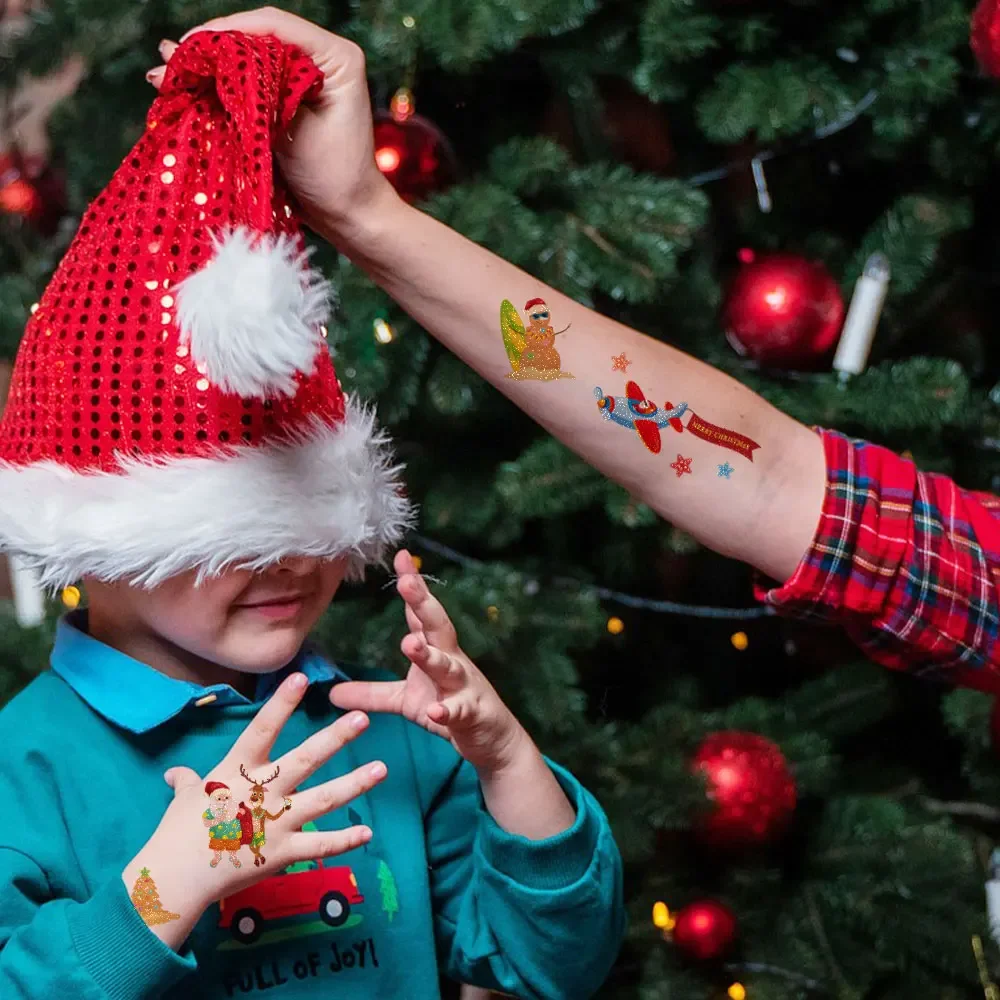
column 797, row 823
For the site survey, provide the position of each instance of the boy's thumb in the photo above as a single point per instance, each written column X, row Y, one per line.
column 179, row 778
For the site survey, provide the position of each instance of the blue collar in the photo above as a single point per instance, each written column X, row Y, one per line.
column 138, row 698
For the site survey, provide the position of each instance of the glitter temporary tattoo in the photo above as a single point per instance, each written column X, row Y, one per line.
column 531, row 351
column 225, row 829
column 258, row 815
column 643, row 416
column 619, row 363
column 639, row 414
column 726, row 471
column 681, row 466
column 722, row 436
column 146, row 899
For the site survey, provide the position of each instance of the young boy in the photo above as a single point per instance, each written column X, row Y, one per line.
column 196, row 804
column 906, row 561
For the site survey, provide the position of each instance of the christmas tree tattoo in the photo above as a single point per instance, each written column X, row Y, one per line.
column 531, row 351
column 146, row 900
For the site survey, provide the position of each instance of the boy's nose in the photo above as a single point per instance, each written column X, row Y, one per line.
column 298, row 565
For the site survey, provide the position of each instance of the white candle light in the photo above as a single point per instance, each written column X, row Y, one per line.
column 862, row 317
column 29, row 600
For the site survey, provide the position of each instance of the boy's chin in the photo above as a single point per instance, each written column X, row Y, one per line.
column 265, row 652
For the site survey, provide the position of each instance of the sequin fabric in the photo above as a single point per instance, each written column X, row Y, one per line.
column 101, row 372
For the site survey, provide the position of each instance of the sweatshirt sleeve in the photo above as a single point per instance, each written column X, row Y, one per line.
column 538, row 919
column 94, row 949
column 907, row 562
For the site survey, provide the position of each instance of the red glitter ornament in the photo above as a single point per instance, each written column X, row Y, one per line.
column 985, row 36
column 412, row 151
column 40, row 199
column 704, row 930
column 783, row 311
column 751, row 787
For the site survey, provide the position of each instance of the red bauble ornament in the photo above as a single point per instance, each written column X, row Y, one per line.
column 39, row 199
column 704, row 930
column 783, row 311
column 750, row 785
column 411, row 151
column 985, row 36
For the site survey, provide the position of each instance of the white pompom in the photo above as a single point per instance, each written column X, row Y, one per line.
column 252, row 315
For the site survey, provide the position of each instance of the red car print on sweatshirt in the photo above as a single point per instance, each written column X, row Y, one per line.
column 329, row 891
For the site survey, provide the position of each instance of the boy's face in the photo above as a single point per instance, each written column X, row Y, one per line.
column 246, row 621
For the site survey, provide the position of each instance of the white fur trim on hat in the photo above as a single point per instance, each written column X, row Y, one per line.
column 253, row 313
column 332, row 491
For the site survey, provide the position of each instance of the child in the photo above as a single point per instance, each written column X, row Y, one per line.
column 176, row 437
column 906, row 561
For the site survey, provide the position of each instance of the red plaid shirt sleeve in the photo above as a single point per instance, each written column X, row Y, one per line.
column 907, row 562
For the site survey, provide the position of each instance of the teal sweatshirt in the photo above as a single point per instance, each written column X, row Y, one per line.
column 440, row 888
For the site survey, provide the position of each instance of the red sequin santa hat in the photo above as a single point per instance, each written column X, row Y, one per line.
column 173, row 403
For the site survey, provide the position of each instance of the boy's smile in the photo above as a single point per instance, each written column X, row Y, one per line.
column 232, row 626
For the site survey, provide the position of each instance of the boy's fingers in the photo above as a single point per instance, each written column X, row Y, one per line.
column 429, row 612
column 446, row 671
column 179, row 778
column 155, row 76
column 166, row 49
column 326, row 844
column 459, row 710
column 312, row 803
column 403, row 563
column 255, row 743
column 369, row 696
column 314, row 752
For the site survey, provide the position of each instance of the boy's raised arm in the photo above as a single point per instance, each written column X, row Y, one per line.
column 697, row 446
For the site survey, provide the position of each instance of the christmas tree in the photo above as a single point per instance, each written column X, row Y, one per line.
column 661, row 161
column 387, row 886
column 146, row 899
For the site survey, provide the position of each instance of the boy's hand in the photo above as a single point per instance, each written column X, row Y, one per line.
column 328, row 157
column 444, row 691
column 208, row 844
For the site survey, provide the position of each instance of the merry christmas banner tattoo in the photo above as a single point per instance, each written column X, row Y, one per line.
column 635, row 412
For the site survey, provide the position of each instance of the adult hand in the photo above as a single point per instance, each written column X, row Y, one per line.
column 327, row 158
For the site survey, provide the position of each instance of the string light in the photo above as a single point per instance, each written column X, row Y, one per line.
column 616, row 626
column 662, row 917
column 71, row 597
column 417, row 562
column 387, row 158
column 605, row 594
column 384, row 333
column 737, row 992
column 739, row 640
column 409, row 21
column 34, row 308
column 492, row 612
column 402, row 105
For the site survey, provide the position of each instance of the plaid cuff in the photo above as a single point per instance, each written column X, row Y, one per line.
column 907, row 562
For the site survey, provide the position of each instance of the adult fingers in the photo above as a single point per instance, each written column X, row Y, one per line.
column 312, row 753
column 155, row 76
column 369, row 696
column 444, row 669
column 311, row 803
column 256, row 741
column 179, row 778
column 312, row 39
column 166, row 49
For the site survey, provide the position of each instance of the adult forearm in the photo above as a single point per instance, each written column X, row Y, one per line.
column 729, row 468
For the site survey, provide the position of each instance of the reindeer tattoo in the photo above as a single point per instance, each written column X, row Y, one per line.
column 254, row 818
